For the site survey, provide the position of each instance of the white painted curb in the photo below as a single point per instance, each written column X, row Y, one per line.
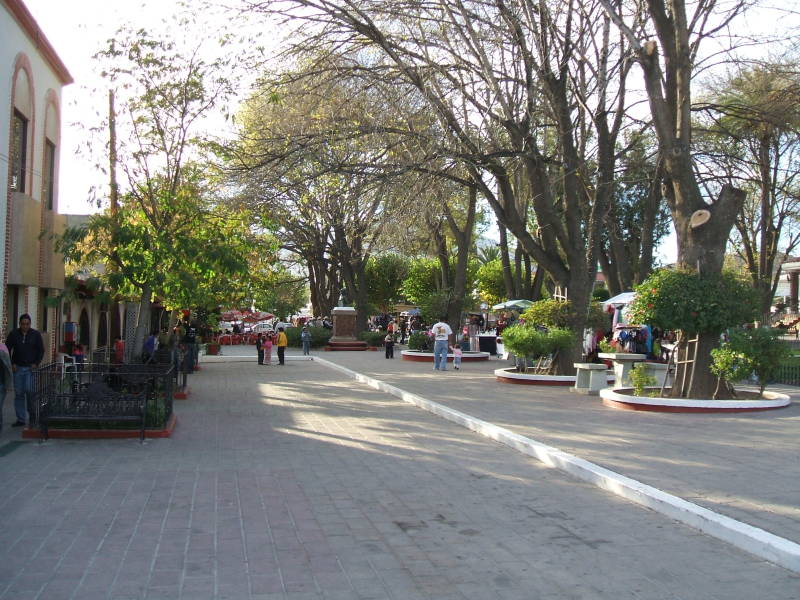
column 751, row 539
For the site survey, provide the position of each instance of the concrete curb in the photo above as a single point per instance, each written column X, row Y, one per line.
column 754, row 540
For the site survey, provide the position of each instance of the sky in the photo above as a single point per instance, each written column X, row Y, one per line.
column 78, row 30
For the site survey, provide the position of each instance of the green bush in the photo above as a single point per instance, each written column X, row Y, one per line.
column 557, row 313
column 421, row 342
column 749, row 351
column 679, row 299
column 319, row 336
column 641, row 379
column 373, row 338
column 529, row 342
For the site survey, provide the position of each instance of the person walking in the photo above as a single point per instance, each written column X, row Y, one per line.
column 457, row 354
column 260, row 348
column 282, row 343
column 305, row 337
column 6, row 377
column 26, row 348
column 388, row 342
column 441, row 335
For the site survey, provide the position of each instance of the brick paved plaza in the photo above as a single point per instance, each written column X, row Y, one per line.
column 297, row 483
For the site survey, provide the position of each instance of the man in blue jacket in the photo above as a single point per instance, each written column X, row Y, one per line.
column 27, row 350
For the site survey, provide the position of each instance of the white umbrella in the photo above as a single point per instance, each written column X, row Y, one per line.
column 620, row 299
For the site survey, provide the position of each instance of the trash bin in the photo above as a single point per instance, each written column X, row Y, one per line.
column 488, row 343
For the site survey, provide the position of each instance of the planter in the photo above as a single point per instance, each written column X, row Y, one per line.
column 623, row 398
column 511, row 375
column 212, row 349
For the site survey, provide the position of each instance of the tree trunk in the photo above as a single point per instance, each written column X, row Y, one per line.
column 505, row 260
column 537, row 284
column 142, row 324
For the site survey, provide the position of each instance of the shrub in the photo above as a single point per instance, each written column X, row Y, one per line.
column 557, row 313
column 640, row 379
column 749, row 351
column 373, row 338
column 530, row 342
column 420, row 341
column 679, row 299
column 319, row 336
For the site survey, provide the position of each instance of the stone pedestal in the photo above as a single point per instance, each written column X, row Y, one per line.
column 344, row 324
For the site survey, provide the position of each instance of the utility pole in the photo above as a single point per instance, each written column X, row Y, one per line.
column 112, row 153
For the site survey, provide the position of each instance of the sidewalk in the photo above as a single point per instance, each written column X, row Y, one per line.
column 745, row 466
column 295, row 483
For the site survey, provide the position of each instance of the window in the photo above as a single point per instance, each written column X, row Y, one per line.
column 48, row 190
column 19, row 152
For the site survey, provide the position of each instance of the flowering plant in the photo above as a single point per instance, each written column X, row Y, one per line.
column 680, row 299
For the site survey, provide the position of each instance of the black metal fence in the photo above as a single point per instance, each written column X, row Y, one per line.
column 788, row 375
column 59, row 383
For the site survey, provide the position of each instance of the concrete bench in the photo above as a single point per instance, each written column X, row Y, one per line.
column 590, row 378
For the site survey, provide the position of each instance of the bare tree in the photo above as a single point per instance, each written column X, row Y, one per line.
column 530, row 87
column 750, row 137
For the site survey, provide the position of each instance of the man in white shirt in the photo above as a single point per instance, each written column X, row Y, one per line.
column 441, row 334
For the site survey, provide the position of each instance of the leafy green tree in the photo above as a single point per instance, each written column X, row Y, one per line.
column 166, row 92
column 423, row 287
column 385, row 274
column 491, row 285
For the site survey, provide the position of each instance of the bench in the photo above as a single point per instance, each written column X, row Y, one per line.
column 590, row 378
column 97, row 403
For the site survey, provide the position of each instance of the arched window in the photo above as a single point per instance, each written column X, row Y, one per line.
column 22, row 124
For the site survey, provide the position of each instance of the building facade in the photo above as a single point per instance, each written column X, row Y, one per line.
column 31, row 79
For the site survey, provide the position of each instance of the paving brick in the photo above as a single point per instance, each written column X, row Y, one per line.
column 312, row 487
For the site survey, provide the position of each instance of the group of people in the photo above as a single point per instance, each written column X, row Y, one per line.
column 265, row 342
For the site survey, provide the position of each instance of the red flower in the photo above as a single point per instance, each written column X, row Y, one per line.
column 694, row 314
column 654, row 290
column 650, row 305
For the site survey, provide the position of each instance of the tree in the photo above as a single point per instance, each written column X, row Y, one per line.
column 526, row 96
column 166, row 92
column 665, row 38
column 385, row 275
column 638, row 219
column 749, row 137
column 491, row 287
column 192, row 264
column 294, row 167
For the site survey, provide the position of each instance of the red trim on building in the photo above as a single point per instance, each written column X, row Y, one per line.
column 31, row 28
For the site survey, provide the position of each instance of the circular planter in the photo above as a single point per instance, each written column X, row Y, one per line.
column 510, row 375
column 428, row 356
column 618, row 398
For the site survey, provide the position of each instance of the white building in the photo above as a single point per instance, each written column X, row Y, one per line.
column 31, row 79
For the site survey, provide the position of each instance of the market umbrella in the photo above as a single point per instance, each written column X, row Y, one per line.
column 623, row 298
column 255, row 317
column 231, row 315
column 513, row 304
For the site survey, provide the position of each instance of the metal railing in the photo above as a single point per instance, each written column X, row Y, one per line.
column 788, row 375
column 57, row 380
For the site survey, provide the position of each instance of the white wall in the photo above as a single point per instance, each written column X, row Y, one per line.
column 13, row 40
